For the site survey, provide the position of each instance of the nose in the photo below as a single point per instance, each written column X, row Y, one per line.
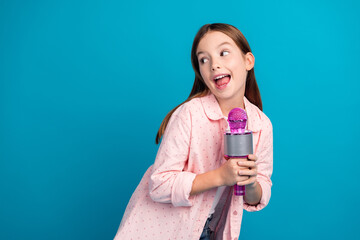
column 215, row 66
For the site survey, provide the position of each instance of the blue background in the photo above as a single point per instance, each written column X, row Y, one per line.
column 79, row 79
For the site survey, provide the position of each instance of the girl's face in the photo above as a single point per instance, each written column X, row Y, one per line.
column 223, row 66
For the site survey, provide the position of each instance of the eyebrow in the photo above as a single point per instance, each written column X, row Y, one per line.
column 224, row 43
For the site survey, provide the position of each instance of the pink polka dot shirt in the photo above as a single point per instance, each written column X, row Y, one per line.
column 161, row 206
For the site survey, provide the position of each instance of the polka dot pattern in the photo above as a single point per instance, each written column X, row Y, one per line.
column 161, row 208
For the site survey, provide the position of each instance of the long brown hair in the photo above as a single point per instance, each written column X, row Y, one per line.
column 199, row 88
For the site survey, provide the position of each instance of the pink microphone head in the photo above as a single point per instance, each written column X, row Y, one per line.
column 237, row 120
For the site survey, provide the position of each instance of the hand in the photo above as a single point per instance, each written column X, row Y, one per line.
column 248, row 170
column 229, row 172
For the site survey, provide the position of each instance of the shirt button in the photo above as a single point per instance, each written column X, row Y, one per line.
column 235, row 212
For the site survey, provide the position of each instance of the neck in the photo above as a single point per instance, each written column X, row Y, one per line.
column 227, row 105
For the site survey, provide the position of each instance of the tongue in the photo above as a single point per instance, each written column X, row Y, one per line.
column 222, row 81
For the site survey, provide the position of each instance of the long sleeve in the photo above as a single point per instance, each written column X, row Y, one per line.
column 169, row 183
column 264, row 165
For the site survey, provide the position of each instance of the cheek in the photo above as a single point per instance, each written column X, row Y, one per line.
column 204, row 74
column 239, row 68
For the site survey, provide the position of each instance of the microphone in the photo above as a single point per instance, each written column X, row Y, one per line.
column 238, row 142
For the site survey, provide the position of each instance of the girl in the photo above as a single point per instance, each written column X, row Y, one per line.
column 187, row 193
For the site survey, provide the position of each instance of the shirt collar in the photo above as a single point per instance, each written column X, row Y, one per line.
column 253, row 113
column 211, row 107
column 213, row 111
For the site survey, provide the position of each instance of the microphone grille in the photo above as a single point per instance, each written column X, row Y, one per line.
column 237, row 120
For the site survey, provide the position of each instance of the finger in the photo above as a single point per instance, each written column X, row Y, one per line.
column 246, row 172
column 248, row 164
column 247, row 182
column 241, row 179
column 252, row 157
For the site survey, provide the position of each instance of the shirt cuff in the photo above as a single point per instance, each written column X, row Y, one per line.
column 265, row 197
column 180, row 192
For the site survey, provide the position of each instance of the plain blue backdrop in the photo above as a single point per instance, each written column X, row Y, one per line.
column 82, row 81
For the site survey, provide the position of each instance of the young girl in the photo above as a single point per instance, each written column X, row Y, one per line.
column 187, row 193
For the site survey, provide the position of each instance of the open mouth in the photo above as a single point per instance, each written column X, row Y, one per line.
column 222, row 80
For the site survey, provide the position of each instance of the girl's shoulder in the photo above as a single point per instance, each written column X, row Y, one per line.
column 258, row 119
column 194, row 111
column 189, row 107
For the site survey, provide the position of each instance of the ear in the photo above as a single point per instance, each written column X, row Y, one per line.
column 249, row 61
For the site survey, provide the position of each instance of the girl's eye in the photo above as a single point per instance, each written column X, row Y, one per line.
column 224, row 53
column 203, row 60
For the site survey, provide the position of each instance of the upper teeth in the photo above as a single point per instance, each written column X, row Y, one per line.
column 218, row 77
